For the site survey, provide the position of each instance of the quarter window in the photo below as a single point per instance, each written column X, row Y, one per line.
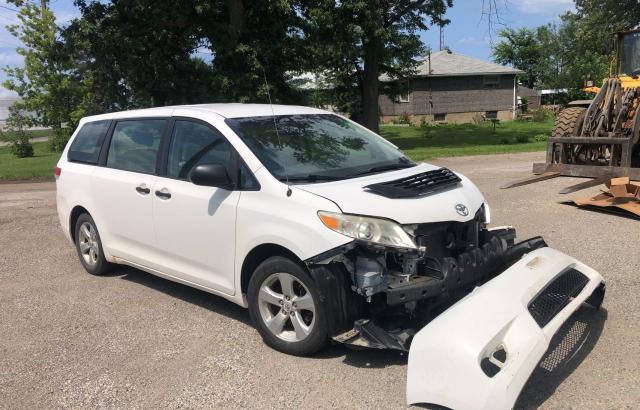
column 192, row 144
column 87, row 142
column 134, row 145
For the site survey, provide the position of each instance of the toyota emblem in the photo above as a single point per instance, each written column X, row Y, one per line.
column 462, row 210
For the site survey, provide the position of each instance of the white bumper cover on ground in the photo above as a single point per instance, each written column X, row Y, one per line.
column 446, row 355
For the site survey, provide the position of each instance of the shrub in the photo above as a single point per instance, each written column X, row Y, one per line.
column 524, row 106
column 404, row 118
column 540, row 137
column 539, row 115
column 522, row 139
column 59, row 139
column 22, row 148
column 505, row 141
column 16, row 135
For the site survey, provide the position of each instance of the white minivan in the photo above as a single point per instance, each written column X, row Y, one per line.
column 326, row 232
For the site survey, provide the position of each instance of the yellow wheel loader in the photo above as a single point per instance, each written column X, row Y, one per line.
column 599, row 138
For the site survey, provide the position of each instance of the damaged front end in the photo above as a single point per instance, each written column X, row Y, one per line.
column 391, row 292
column 502, row 302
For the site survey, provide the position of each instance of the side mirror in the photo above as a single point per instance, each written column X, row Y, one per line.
column 214, row 175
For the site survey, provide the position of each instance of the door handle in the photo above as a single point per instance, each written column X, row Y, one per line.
column 164, row 194
column 142, row 189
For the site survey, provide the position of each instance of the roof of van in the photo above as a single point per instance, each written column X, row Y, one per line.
column 232, row 110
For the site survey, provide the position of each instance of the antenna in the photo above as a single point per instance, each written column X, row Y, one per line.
column 275, row 125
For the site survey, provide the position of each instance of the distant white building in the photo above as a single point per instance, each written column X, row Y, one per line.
column 7, row 99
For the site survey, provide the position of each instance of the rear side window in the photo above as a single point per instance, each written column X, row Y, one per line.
column 88, row 141
column 192, row 144
column 134, row 145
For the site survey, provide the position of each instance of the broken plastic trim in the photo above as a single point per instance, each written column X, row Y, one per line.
column 368, row 333
column 477, row 265
column 448, row 355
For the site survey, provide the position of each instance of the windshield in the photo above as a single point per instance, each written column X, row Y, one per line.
column 630, row 59
column 316, row 147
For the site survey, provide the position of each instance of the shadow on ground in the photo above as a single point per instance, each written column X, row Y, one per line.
column 568, row 348
column 183, row 292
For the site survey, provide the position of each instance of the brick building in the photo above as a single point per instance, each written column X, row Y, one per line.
column 453, row 88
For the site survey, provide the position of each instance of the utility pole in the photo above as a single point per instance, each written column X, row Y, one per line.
column 441, row 36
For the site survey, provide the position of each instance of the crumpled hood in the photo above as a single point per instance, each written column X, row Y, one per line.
column 352, row 198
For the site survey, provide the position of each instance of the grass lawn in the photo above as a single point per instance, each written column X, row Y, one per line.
column 39, row 166
column 467, row 139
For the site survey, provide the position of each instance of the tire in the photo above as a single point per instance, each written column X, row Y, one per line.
column 297, row 325
column 89, row 246
column 569, row 122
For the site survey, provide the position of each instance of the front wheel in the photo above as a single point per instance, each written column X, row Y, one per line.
column 284, row 307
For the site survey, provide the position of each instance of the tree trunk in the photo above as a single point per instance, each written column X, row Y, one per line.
column 236, row 20
column 369, row 91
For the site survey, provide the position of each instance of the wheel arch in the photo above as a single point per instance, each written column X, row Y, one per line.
column 259, row 254
column 73, row 217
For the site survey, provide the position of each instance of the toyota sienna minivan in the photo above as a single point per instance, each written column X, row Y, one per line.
column 326, row 232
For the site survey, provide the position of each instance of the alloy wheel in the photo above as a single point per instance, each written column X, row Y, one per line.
column 88, row 244
column 286, row 307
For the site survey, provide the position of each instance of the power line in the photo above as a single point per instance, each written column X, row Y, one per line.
column 8, row 8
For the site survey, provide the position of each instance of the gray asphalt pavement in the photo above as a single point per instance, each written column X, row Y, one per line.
column 132, row 340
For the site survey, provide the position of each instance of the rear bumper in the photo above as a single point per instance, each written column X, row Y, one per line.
column 480, row 352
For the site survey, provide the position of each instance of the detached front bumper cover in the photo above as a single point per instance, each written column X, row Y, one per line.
column 480, row 352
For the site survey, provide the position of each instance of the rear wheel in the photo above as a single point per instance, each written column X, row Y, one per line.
column 285, row 307
column 89, row 246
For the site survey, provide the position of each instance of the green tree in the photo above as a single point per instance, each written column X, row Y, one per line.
column 138, row 53
column 356, row 41
column 599, row 19
column 258, row 47
column 46, row 83
column 581, row 59
column 529, row 50
column 563, row 56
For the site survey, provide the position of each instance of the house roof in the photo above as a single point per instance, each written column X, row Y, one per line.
column 447, row 63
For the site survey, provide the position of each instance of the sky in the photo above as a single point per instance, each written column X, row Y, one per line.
column 468, row 33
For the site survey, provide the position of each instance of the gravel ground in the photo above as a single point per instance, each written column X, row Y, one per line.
column 132, row 340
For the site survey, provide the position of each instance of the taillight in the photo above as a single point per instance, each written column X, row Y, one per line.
column 57, row 171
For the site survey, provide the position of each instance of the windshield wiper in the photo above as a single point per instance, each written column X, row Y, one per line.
column 310, row 178
column 382, row 168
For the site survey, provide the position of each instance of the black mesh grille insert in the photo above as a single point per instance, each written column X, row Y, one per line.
column 556, row 296
column 425, row 183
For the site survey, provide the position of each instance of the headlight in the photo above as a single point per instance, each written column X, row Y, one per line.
column 373, row 230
